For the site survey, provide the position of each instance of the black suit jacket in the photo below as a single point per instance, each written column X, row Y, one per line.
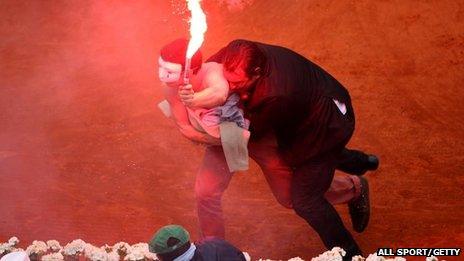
column 294, row 98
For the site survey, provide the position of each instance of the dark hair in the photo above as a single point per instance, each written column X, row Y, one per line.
column 246, row 54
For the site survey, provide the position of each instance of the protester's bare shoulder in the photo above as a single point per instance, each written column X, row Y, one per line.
column 212, row 68
column 214, row 76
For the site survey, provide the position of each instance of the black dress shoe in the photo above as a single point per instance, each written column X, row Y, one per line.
column 360, row 208
column 358, row 163
column 372, row 162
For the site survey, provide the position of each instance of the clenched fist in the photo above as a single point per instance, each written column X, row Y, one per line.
column 186, row 94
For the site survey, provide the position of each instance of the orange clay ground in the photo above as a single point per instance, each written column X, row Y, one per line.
column 85, row 153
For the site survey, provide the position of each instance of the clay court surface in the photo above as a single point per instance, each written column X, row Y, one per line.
column 85, row 153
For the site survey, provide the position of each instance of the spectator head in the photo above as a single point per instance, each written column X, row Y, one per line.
column 169, row 242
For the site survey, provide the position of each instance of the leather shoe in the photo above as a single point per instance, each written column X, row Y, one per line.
column 372, row 162
column 360, row 208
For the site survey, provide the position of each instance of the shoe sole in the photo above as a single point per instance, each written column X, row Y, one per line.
column 365, row 186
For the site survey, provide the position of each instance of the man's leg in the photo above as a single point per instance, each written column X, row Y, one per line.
column 343, row 189
column 310, row 182
column 211, row 182
column 356, row 162
column 278, row 174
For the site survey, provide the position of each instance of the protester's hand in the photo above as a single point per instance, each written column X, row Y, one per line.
column 186, row 94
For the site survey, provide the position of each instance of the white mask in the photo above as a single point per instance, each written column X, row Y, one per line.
column 169, row 72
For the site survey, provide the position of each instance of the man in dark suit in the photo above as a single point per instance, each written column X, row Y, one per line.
column 300, row 117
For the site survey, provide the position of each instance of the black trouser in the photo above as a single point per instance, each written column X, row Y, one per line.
column 310, row 182
column 352, row 162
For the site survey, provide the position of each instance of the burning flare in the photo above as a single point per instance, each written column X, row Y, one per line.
column 197, row 32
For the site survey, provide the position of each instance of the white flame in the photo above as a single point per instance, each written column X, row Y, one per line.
column 197, row 27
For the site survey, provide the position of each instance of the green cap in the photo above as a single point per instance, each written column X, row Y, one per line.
column 159, row 243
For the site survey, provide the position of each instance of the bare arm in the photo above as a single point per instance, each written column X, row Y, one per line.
column 214, row 93
column 180, row 117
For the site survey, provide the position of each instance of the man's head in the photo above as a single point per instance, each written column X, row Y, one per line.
column 169, row 242
column 172, row 61
column 243, row 64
